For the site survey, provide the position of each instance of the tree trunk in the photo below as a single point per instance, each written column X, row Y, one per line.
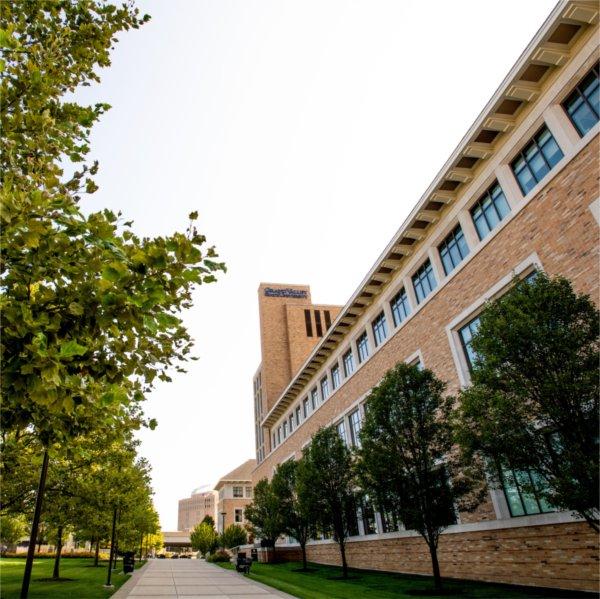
column 97, row 554
column 112, row 546
column 303, row 547
column 342, row 545
column 34, row 527
column 437, row 579
column 59, row 544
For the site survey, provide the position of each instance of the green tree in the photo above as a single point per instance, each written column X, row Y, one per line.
column 233, row 536
column 90, row 310
column 295, row 492
column 204, row 538
column 406, row 443
column 12, row 528
column 209, row 520
column 264, row 513
column 328, row 467
column 533, row 403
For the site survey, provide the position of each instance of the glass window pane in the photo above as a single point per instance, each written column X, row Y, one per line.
column 512, row 494
column 528, row 498
column 538, row 166
column 526, row 181
column 552, row 152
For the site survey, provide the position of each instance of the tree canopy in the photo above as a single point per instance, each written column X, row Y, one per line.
column 533, row 402
column 405, row 459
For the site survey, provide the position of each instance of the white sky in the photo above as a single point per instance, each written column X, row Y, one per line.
column 303, row 132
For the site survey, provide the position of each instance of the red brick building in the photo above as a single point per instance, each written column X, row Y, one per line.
column 520, row 193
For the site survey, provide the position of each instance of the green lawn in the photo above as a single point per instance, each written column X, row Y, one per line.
column 86, row 580
column 370, row 584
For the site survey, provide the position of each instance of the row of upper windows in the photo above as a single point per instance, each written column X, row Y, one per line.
column 531, row 165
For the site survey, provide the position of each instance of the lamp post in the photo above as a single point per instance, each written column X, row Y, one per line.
column 223, row 514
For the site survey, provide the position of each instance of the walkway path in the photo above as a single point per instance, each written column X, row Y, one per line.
column 191, row 579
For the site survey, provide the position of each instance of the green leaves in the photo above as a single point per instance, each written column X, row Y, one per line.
column 69, row 349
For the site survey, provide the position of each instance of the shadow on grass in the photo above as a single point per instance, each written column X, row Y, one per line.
column 55, row 579
column 343, row 579
column 305, row 570
column 434, row 592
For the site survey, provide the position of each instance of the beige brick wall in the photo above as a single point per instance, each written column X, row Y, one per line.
column 561, row 556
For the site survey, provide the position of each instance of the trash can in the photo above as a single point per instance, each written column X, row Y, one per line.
column 128, row 562
column 254, row 554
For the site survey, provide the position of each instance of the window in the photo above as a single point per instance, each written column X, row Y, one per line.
column 335, row 376
column 355, row 426
column 297, row 416
column 583, row 105
column 238, row 491
column 522, row 491
column 491, row 208
column 314, row 398
column 291, row 423
column 453, row 250
column 274, row 444
column 368, row 516
column 278, row 435
column 424, row 281
column 324, row 388
column 285, row 429
column 380, row 329
column 341, row 429
column 239, row 515
column 248, row 491
column 466, row 335
column 400, row 307
column 362, row 346
column 536, row 160
column 348, row 360
column 305, row 407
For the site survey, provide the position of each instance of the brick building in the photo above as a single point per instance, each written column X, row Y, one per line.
column 193, row 509
column 520, row 193
column 234, row 494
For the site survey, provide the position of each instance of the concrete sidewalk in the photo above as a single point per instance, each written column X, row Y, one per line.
column 191, row 579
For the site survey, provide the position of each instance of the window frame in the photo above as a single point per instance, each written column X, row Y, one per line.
column 348, row 358
column 335, row 376
column 362, row 346
column 355, row 427
column 521, row 155
column 423, row 272
column 577, row 93
column 450, row 242
column 380, row 329
column 479, row 204
column 400, row 299
column 234, row 487
column 324, row 385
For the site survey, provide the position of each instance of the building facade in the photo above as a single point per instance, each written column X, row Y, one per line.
column 519, row 194
column 290, row 327
column 234, row 493
column 192, row 510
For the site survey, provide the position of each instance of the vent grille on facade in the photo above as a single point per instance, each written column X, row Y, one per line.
column 318, row 323
column 308, row 323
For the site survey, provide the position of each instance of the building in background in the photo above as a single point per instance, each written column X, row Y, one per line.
column 234, row 494
column 519, row 194
column 193, row 509
column 290, row 327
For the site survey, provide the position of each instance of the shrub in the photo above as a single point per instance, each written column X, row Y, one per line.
column 218, row 556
